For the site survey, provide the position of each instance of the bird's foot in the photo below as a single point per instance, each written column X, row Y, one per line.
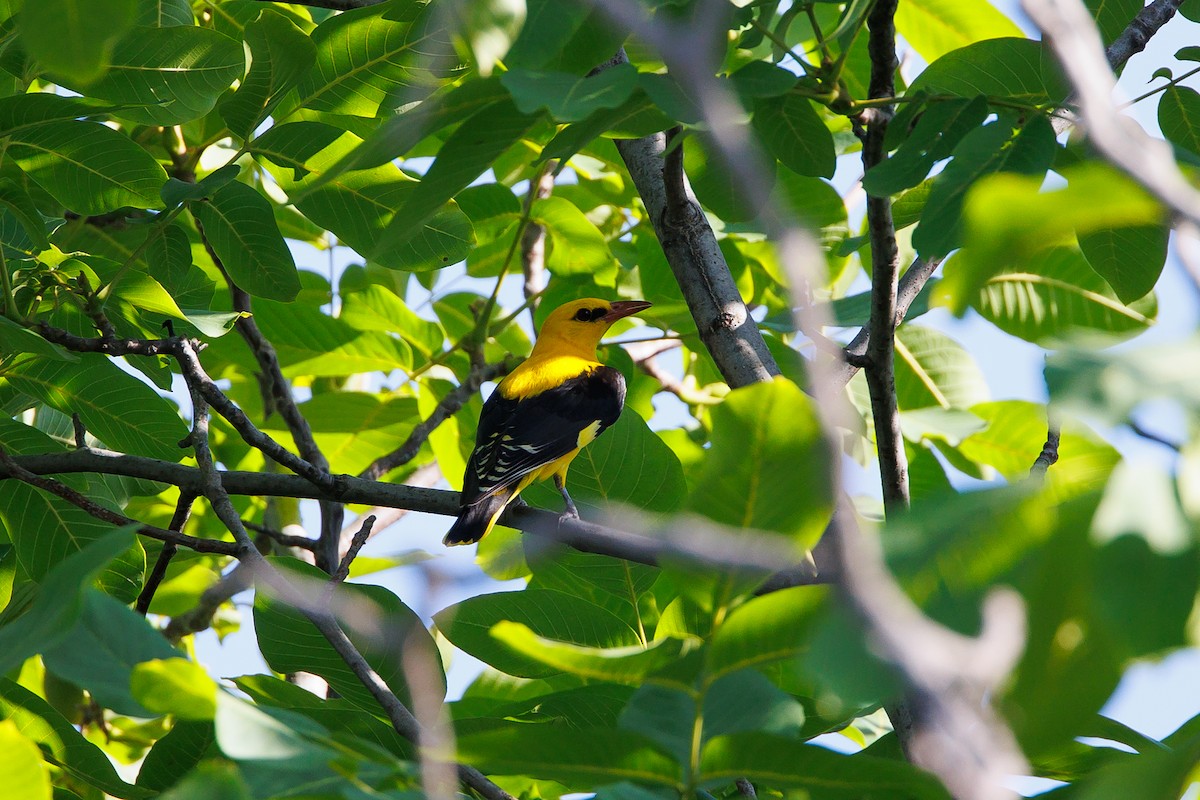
column 570, row 512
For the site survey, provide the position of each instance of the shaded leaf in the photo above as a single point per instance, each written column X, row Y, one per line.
column 280, row 54
column 761, row 433
column 241, row 227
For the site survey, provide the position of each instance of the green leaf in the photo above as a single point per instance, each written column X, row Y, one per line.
column 310, row 342
column 399, row 134
column 1179, row 117
column 466, row 154
column 1112, row 16
column 176, row 754
column 19, row 201
column 75, row 38
column 88, row 167
column 934, row 370
column 46, row 529
column 174, row 686
column 357, row 206
column 59, row 601
column 579, row 759
column 1012, row 439
column 64, row 746
column 794, row 133
column 376, row 308
column 781, row 761
column 365, row 60
column 165, row 13
column 1009, row 219
column 626, row 465
column 567, row 97
column 935, row 27
column 568, row 37
column 1110, row 385
column 1130, row 259
column 382, row 627
column 545, row 612
column 280, row 55
column 210, row 781
column 761, row 434
column 1057, row 293
column 25, row 773
column 1157, row 775
column 715, row 187
column 99, row 653
column 773, row 627
column 1005, row 145
column 1008, row 67
column 173, row 75
column 627, row 665
column 612, row 583
column 124, row 413
column 938, row 130
column 241, row 227
column 491, row 26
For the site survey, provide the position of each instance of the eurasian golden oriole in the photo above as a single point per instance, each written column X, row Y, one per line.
column 540, row 416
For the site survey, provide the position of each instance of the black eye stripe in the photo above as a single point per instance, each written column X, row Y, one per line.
column 590, row 314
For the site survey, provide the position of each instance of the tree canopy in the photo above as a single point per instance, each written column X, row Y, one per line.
column 259, row 261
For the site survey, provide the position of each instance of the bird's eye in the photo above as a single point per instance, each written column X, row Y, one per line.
column 590, row 314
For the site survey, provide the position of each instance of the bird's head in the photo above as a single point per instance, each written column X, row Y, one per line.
column 582, row 323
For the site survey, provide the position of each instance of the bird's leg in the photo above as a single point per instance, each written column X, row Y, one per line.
column 571, row 511
column 518, row 502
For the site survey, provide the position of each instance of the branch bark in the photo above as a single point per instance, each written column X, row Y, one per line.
column 885, row 269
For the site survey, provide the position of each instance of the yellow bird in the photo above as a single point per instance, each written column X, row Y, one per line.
column 541, row 415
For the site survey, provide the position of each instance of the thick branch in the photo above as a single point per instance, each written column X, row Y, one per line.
column 10, row 467
column 722, row 318
column 885, row 269
column 1137, row 34
column 692, row 542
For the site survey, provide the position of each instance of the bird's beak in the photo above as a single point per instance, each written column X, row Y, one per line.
column 625, row 308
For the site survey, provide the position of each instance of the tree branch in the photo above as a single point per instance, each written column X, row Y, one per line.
column 1072, row 34
column 10, row 467
column 533, row 240
column 183, row 510
column 279, row 389
column 1137, row 34
column 321, row 618
column 885, row 271
column 458, row 397
column 185, row 353
column 722, row 318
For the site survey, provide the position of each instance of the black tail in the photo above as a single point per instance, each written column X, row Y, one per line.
column 475, row 520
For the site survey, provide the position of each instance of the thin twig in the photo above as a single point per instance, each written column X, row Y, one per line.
column 356, row 544
column 458, row 397
column 1049, row 455
column 183, row 510
column 79, row 430
column 285, row 539
column 200, row 617
column 533, row 241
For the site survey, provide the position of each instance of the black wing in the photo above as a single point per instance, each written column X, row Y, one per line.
column 518, row 436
